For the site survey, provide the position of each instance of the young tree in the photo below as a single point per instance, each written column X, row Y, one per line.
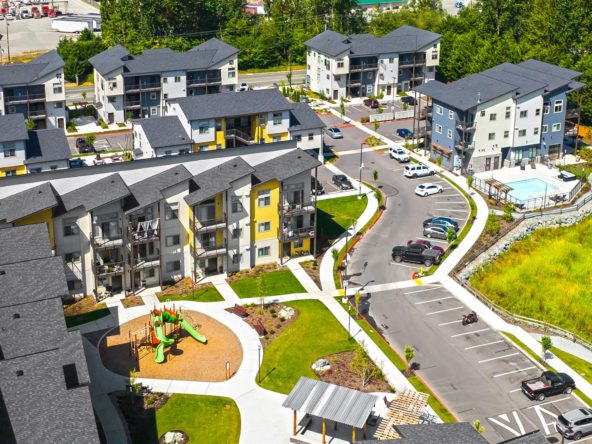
column 508, row 212
column 375, row 176
column 376, row 126
column 261, row 291
column 546, row 344
column 30, row 124
column 90, row 139
column 357, row 298
column 470, row 181
column 478, row 426
column 409, row 353
column 363, row 366
column 342, row 108
column 451, row 235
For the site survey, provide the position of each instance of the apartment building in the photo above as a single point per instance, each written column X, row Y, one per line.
column 502, row 116
column 121, row 227
column 23, row 151
column 44, row 379
column 229, row 120
column 131, row 86
column 35, row 90
column 361, row 65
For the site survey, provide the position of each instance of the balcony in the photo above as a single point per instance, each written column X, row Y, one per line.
column 37, row 114
column 142, row 86
column 363, row 67
column 133, row 104
column 572, row 113
column 145, row 231
column 109, row 268
column 468, row 146
column 469, row 127
column 296, row 208
column 203, row 78
column 240, row 136
column 205, row 226
column 409, row 62
column 149, row 261
column 112, row 240
column 290, row 234
column 24, row 98
column 203, row 251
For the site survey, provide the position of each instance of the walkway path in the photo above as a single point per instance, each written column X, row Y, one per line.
column 226, row 290
column 303, row 277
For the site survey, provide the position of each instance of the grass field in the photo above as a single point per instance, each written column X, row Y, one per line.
column 273, row 283
column 546, row 277
column 203, row 295
column 335, row 215
column 314, row 333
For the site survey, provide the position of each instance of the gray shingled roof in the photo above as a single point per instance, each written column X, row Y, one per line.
column 109, row 60
column 19, row 244
column 329, row 42
column 96, row 194
column 454, row 433
column 13, row 128
column 149, row 191
column 27, row 73
column 164, row 131
column 554, row 70
column 223, row 50
column 241, row 103
column 27, row 202
column 47, row 145
column 302, row 117
column 285, row 166
column 409, row 38
column 218, row 179
column 330, row 401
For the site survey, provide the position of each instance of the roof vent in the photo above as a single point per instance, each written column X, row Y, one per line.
column 112, row 181
column 299, row 157
column 20, row 373
column 39, row 192
column 176, row 173
column 234, row 165
column 16, row 316
column 2, row 272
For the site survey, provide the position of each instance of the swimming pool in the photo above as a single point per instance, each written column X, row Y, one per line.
column 530, row 188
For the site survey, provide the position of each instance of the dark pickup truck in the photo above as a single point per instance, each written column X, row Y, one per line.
column 548, row 384
column 418, row 253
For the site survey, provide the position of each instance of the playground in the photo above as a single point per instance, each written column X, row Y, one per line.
column 172, row 344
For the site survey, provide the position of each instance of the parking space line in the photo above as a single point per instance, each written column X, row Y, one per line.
column 456, row 211
column 484, row 345
column 433, row 300
column 498, row 357
column 424, row 290
column 452, row 202
column 448, row 323
column 434, row 240
column 443, row 311
column 515, row 390
column 549, row 402
column 404, row 265
column 514, row 371
column 469, row 332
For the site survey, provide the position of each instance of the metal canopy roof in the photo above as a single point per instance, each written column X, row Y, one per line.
column 329, row 401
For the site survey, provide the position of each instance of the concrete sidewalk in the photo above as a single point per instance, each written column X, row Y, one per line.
column 303, row 277
column 226, row 291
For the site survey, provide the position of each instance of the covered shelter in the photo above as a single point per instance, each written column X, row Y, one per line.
column 500, row 188
column 330, row 402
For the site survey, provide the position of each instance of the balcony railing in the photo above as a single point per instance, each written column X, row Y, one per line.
column 152, row 260
column 133, row 103
column 131, row 87
column 23, row 98
column 289, row 234
column 572, row 113
column 203, row 226
column 144, row 231
column 112, row 240
column 409, row 62
column 468, row 146
column 461, row 126
column 363, row 67
column 239, row 135
column 296, row 208
column 109, row 268
column 37, row 113
column 210, row 250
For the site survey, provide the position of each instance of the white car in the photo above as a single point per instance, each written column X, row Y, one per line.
column 418, row 170
column 399, row 154
column 425, row 189
column 243, row 87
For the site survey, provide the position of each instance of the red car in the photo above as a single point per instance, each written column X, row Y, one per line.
column 427, row 243
column 371, row 103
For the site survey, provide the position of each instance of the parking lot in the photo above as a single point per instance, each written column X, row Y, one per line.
column 473, row 368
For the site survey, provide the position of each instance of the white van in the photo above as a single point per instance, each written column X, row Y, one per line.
column 418, row 170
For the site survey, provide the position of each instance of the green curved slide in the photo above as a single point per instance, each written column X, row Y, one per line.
column 164, row 341
column 189, row 329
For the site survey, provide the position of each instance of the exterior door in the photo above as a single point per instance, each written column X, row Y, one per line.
column 60, row 123
column 487, row 163
column 496, row 161
column 335, row 94
column 111, row 118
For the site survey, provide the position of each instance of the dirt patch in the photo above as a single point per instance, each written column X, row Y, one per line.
column 489, row 237
column 269, row 318
column 187, row 359
column 252, row 272
column 84, row 305
column 341, row 373
column 313, row 269
column 132, row 301
column 183, row 287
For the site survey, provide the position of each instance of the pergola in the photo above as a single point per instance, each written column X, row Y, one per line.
column 406, row 408
column 330, row 402
column 500, row 187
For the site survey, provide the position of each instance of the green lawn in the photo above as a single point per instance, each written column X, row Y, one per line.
column 203, row 295
column 335, row 215
column 73, row 321
column 314, row 333
column 546, row 277
column 273, row 283
column 398, row 361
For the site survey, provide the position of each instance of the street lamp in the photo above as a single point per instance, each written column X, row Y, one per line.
column 361, row 166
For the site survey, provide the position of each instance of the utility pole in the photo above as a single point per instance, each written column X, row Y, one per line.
column 7, row 40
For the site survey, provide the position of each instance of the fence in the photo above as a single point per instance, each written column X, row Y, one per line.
column 404, row 114
column 381, row 117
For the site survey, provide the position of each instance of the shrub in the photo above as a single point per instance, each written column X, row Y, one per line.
column 365, row 119
column 273, row 315
column 282, row 319
column 102, row 124
column 508, row 210
column 492, row 226
column 71, row 127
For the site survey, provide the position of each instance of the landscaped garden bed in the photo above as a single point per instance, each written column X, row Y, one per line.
column 270, row 318
column 85, row 310
column 265, row 280
column 313, row 269
column 132, row 301
column 186, row 290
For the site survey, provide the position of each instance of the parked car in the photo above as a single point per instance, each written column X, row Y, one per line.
column 25, row 14
column 575, row 424
column 408, row 100
column 243, row 87
column 442, row 220
column 548, row 384
column 83, row 146
column 418, row 170
column 342, row 182
column 417, row 253
column 371, row 103
column 405, row 133
column 334, row 133
column 437, row 232
column 459, row 4
column 316, row 188
column 426, row 189
column 77, row 163
column 427, row 243
column 399, row 154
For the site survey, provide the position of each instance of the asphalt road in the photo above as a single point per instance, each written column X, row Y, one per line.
column 109, row 141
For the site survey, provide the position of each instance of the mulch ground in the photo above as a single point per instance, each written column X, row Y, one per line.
column 84, row 305
column 132, row 301
column 313, row 269
column 340, row 373
column 183, row 287
column 187, row 359
column 270, row 319
column 252, row 272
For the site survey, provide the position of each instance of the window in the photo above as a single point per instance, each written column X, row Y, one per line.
column 74, row 285
column 9, row 173
column 327, row 76
column 276, row 139
column 231, row 62
column 506, row 134
column 171, row 241
column 177, row 79
column 337, row 78
column 310, row 136
column 184, row 151
column 9, row 150
column 204, row 127
column 57, row 88
column 546, row 108
column 35, row 170
column 277, row 118
column 450, row 114
column 482, row 113
column 298, row 137
column 165, row 80
column 391, row 60
column 493, row 117
column 491, row 136
column 236, row 259
column 231, row 73
column 537, row 112
column 153, row 111
column 545, row 129
column 165, row 96
column 171, row 210
column 72, row 257
column 508, row 112
column 168, row 152
column 263, row 198
column 236, row 205
column 11, row 109
column 218, row 146
column 53, row 167
column 439, row 110
column 298, row 243
column 236, row 233
column 152, row 96
column 439, row 128
column 265, row 251
column 149, row 273
column 70, row 227
column 340, row 63
column 262, row 227
column 450, row 134
column 556, row 127
column 434, row 55
column 521, row 133
column 173, row 266
column 59, row 105
column 536, row 131
column 111, row 99
column 558, row 106
column 523, row 114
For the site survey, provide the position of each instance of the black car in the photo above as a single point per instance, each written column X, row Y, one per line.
column 408, row 100
column 316, row 188
column 548, row 384
column 77, row 163
column 82, row 146
column 342, row 182
column 417, row 253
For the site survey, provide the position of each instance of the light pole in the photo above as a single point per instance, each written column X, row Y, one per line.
column 348, row 321
column 259, row 363
column 361, row 166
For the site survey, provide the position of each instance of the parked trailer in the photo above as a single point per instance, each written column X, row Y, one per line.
column 76, row 23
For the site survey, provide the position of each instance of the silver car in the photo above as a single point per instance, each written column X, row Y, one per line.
column 575, row 423
column 436, row 232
